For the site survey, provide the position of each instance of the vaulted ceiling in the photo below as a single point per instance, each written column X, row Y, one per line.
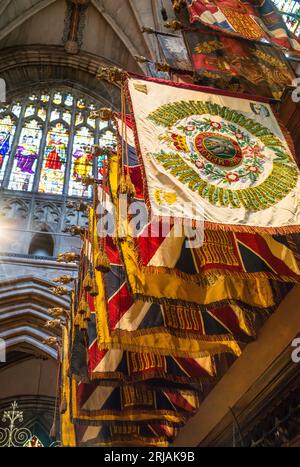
column 33, row 35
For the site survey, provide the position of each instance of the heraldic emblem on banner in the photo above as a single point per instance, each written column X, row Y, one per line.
column 219, row 151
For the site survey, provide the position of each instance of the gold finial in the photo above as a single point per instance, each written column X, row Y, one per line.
column 87, row 181
column 174, row 25
column 64, row 280
column 165, row 67
column 148, row 30
column 75, row 230
column 80, row 206
column 60, row 291
column 141, row 59
column 178, row 5
column 51, row 342
column 110, row 74
column 105, row 114
column 58, row 312
column 68, row 257
column 53, row 324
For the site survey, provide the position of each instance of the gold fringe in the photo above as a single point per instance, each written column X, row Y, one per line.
column 287, row 229
column 209, row 277
column 227, row 346
column 287, row 136
column 117, row 378
column 133, row 442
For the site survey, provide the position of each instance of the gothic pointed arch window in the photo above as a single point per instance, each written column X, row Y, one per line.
column 46, row 142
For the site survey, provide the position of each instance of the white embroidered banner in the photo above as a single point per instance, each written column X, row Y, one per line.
column 223, row 155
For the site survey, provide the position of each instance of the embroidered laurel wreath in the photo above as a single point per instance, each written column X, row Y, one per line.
column 225, row 157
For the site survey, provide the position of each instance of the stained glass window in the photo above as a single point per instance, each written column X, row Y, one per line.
column 7, row 131
column 290, row 9
column 46, row 141
column 107, row 142
column 34, row 442
column 55, row 158
column 16, row 109
column 26, row 155
column 82, row 161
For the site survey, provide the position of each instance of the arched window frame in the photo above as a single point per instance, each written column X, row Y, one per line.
column 99, row 130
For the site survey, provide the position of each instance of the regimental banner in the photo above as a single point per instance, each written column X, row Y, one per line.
column 95, row 404
column 123, row 434
column 250, row 20
column 241, row 253
column 239, row 65
column 175, row 51
column 222, row 154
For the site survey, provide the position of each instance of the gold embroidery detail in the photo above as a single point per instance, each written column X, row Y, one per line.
column 242, row 23
column 139, row 362
column 208, row 47
column 166, row 197
column 141, row 88
column 124, row 430
column 136, row 396
column 187, row 319
column 217, row 248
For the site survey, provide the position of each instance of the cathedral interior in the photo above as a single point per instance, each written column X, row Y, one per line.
column 54, row 57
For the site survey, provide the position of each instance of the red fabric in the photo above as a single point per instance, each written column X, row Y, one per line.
column 118, row 305
column 179, row 401
column 148, row 243
column 192, row 368
column 95, row 356
column 228, row 319
column 112, row 252
column 259, row 246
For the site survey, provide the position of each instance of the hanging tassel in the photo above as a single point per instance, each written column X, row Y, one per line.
column 83, row 306
column 94, row 290
column 102, row 263
column 87, row 316
column 78, row 320
column 88, row 282
column 126, row 187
